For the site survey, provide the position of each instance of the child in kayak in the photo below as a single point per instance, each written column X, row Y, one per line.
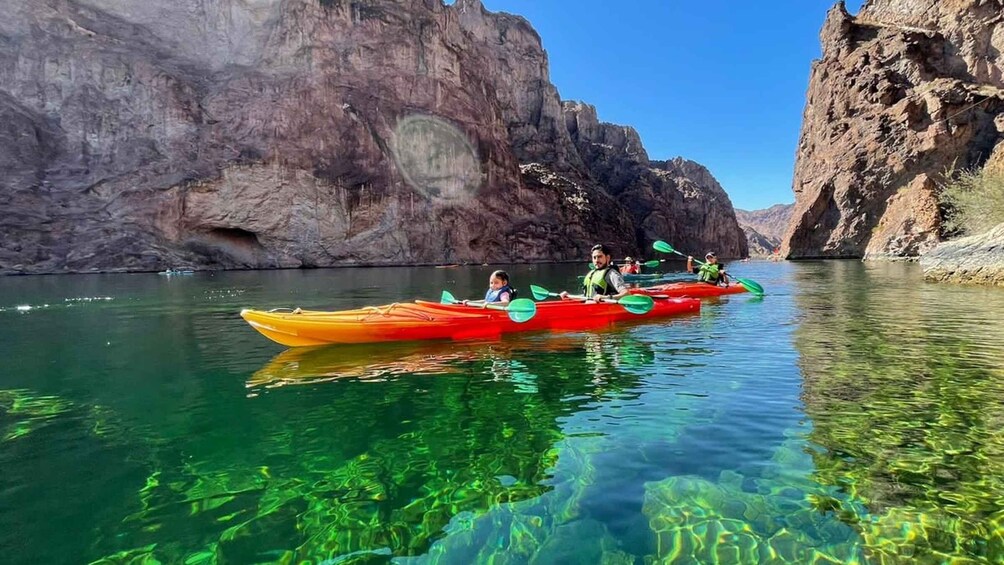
column 499, row 290
column 710, row 272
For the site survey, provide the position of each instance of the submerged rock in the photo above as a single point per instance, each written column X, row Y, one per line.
column 977, row 259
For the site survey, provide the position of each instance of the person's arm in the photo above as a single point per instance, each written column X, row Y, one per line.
column 616, row 280
column 690, row 264
column 504, row 298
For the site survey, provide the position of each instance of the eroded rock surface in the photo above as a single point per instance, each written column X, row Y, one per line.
column 264, row 133
column 904, row 90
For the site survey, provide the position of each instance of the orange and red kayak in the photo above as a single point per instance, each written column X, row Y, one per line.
column 691, row 289
column 429, row 320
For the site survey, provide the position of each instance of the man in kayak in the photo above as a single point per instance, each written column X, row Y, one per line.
column 710, row 272
column 605, row 280
column 499, row 290
column 630, row 267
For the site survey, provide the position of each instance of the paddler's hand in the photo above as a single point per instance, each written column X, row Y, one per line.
column 563, row 294
column 464, row 302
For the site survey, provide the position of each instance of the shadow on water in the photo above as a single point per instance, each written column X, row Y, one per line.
column 311, row 365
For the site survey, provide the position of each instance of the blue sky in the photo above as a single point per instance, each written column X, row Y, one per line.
column 721, row 82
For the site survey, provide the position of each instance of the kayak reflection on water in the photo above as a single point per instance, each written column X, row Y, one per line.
column 513, row 360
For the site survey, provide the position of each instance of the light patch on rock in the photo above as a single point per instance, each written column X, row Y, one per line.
column 574, row 194
column 977, row 259
column 436, row 158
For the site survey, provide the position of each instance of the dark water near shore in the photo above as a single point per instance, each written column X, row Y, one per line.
column 854, row 414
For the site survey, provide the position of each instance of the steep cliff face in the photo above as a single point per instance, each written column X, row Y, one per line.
column 678, row 200
column 284, row 133
column 765, row 228
column 903, row 91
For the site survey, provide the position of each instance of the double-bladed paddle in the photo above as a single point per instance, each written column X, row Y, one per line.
column 750, row 285
column 519, row 310
column 634, row 303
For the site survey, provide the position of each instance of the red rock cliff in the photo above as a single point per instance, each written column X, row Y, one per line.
column 903, row 91
column 138, row 135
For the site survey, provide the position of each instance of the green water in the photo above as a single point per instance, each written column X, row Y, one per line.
column 854, row 414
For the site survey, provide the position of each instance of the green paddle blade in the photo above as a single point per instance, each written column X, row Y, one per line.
column 651, row 264
column 447, row 298
column 521, row 310
column 637, row 303
column 663, row 247
column 751, row 286
column 539, row 292
column 592, row 267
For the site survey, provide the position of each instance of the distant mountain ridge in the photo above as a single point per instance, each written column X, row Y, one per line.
column 765, row 228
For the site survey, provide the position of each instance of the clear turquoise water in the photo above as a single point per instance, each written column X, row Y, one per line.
column 854, row 414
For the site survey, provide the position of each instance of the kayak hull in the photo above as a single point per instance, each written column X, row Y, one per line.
column 691, row 289
column 633, row 277
column 392, row 322
column 431, row 321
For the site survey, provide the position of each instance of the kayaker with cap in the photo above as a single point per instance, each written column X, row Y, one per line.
column 499, row 290
column 605, row 280
column 710, row 272
column 630, row 267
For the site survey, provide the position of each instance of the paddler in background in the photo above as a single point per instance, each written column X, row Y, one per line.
column 710, row 272
column 630, row 267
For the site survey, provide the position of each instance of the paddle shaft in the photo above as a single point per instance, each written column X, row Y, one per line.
column 583, row 297
column 449, row 298
column 482, row 304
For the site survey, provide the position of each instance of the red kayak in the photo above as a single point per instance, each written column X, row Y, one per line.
column 692, row 289
column 430, row 320
column 576, row 315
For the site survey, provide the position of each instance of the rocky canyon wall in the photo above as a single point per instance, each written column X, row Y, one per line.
column 904, row 91
column 139, row 135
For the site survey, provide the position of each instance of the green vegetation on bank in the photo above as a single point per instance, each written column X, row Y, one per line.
column 973, row 199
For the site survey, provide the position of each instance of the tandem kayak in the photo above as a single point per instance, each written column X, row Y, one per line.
column 428, row 320
column 691, row 289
